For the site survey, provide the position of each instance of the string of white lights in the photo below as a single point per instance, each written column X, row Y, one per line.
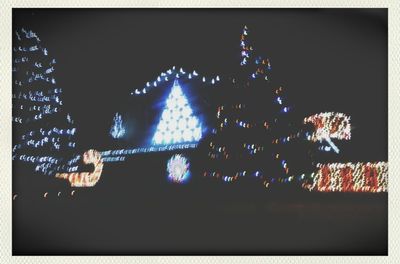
column 173, row 74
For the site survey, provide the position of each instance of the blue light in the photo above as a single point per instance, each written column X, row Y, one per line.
column 177, row 123
column 327, row 148
column 117, row 130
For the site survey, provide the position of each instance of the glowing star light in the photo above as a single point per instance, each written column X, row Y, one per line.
column 178, row 169
column 177, row 123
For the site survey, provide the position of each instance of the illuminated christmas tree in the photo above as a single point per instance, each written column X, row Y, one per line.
column 177, row 123
column 254, row 126
column 43, row 133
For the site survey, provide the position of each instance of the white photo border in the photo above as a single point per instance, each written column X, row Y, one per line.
column 5, row 128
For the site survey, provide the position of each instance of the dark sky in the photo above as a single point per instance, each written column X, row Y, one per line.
column 327, row 59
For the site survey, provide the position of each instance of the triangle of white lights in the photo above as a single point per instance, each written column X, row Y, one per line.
column 177, row 123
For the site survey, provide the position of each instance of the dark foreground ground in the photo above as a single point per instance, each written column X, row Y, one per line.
column 215, row 220
column 133, row 209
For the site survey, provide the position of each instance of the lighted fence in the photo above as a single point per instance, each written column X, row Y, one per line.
column 350, row 177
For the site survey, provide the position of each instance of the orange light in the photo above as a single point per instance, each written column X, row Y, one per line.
column 85, row 179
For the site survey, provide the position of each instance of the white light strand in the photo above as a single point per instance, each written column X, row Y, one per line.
column 170, row 74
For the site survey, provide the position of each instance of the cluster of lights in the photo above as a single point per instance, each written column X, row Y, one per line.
column 350, row 177
column 50, row 132
column 279, row 100
column 74, row 160
column 243, row 124
column 237, row 122
column 267, row 180
column 256, row 173
column 38, row 96
column 172, row 74
column 219, row 110
column 246, row 49
column 85, row 179
column 226, row 120
column 283, row 180
column 35, row 98
column 37, row 159
column 178, row 169
column 262, row 65
column 117, row 129
column 47, row 164
column 45, row 195
column 28, row 34
column 325, row 148
column 46, row 137
column 285, row 166
column 114, row 159
column 221, row 150
column 253, row 148
column 333, row 177
column 329, row 125
column 288, row 138
column 224, row 176
column 177, row 123
column 33, row 72
column 120, row 155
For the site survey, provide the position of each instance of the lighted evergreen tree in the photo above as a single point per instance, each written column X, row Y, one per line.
column 254, row 125
column 43, row 134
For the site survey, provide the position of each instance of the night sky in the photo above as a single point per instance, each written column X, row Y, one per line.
column 326, row 59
